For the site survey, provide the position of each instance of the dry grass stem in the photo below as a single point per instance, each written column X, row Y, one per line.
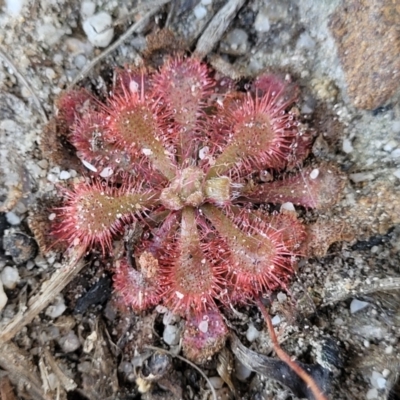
column 217, row 27
column 48, row 292
column 138, row 26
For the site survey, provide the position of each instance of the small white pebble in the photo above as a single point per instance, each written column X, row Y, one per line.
column 10, row 277
column 314, row 173
column 281, row 297
column 366, row 344
column 203, row 152
column 361, row 177
column 357, row 305
column 29, row 265
column 107, row 172
column 12, row 218
column 395, row 153
column 70, row 342
column 3, row 297
column 338, row 321
column 287, row 206
column 14, row 7
column 252, row 333
column 52, row 216
column 87, row 9
column 377, row 380
column 41, row 262
column 385, row 373
column 206, row 2
column 200, row 11
column 396, row 173
column 389, row 146
column 372, row 394
column 261, row 23
column 43, row 164
column 276, row 320
column 241, row 371
column 56, row 309
column 64, row 175
column 389, row 350
column 217, row 382
column 171, row 335
column 347, row 146
column 96, row 29
column 52, row 178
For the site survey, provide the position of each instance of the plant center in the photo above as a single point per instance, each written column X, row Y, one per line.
column 186, row 189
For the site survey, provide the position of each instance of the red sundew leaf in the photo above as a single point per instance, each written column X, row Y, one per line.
column 317, row 187
column 191, row 280
column 261, row 134
column 92, row 214
column 134, row 125
column 255, row 255
column 139, row 290
column 184, row 86
column 286, row 91
column 73, row 104
column 204, row 335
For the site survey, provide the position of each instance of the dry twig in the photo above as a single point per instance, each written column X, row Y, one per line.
column 48, row 292
column 134, row 28
column 217, row 27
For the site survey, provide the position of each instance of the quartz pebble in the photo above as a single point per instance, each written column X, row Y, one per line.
column 252, row 333
column 64, row 175
column 357, row 305
column 276, row 320
column 361, row 177
column 262, row 24
column 236, row 42
column 3, row 297
column 14, row 7
column 87, row 9
column 12, row 218
column 396, row 173
column 200, row 11
column 377, row 380
column 70, row 342
column 171, row 335
column 96, row 30
column 241, row 371
column 346, row 146
column 216, row 382
column 287, row 206
column 372, row 394
column 281, row 297
column 10, row 277
column 56, row 309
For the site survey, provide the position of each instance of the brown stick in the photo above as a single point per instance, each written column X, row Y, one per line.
column 316, row 391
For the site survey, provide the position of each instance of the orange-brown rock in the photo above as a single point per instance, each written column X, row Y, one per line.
column 368, row 39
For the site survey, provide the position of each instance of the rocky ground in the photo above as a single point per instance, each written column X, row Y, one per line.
column 60, row 336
